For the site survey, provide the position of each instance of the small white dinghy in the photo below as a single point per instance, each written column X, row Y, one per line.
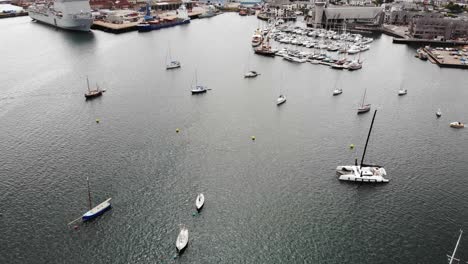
column 457, row 124
column 182, row 239
column 402, row 92
column 200, row 201
column 337, row 92
column 438, row 113
column 251, row 74
column 281, row 99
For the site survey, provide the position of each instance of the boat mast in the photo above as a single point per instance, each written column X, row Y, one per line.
column 456, row 246
column 367, row 141
column 89, row 195
column 87, row 81
column 364, row 97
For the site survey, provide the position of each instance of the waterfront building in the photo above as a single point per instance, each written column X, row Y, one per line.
column 329, row 16
column 432, row 26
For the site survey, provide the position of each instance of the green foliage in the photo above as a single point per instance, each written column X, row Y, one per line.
column 454, row 8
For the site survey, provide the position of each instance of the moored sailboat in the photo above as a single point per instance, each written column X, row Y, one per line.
column 171, row 64
column 364, row 108
column 182, row 239
column 198, row 88
column 97, row 210
column 92, row 93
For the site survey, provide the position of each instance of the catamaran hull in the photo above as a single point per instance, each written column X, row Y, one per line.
column 352, row 173
column 369, row 179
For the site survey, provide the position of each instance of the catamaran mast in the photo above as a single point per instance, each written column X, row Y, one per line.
column 89, row 195
column 367, row 141
column 456, row 246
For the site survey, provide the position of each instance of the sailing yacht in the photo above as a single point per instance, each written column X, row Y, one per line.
column 182, row 239
column 438, row 113
column 97, row 210
column 363, row 172
column 198, row 88
column 171, row 64
column 402, row 91
column 364, row 108
column 337, row 91
column 92, row 93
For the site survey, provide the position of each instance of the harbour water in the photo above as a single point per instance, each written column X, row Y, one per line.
column 272, row 200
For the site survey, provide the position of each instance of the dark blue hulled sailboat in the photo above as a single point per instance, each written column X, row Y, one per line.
column 97, row 210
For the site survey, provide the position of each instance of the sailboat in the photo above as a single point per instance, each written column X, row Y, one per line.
column 438, row 113
column 452, row 258
column 250, row 74
column 402, row 91
column 337, row 91
column 281, row 100
column 182, row 239
column 363, row 108
column 200, row 201
column 92, row 93
column 363, row 172
column 198, row 89
column 97, row 210
column 171, row 64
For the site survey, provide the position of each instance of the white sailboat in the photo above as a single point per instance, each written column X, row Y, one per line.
column 200, row 201
column 363, row 172
column 250, row 73
column 402, row 91
column 171, row 64
column 182, row 239
column 363, row 108
column 337, row 91
column 198, row 88
column 438, row 113
column 281, row 99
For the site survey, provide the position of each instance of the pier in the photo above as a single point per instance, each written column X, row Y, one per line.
column 444, row 59
column 132, row 26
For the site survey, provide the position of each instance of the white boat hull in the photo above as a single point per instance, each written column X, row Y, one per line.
column 457, row 125
column 65, row 22
column 281, row 101
column 368, row 174
column 182, row 239
column 200, row 201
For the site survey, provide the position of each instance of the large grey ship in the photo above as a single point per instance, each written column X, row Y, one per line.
column 66, row 14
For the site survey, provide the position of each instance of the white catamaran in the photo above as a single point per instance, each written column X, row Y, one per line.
column 362, row 172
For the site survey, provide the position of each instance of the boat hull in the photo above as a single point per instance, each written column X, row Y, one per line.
column 97, row 211
column 198, row 92
column 200, row 201
column 364, row 109
column 93, row 95
column 368, row 175
column 68, row 23
column 150, row 27
column 182, row 240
